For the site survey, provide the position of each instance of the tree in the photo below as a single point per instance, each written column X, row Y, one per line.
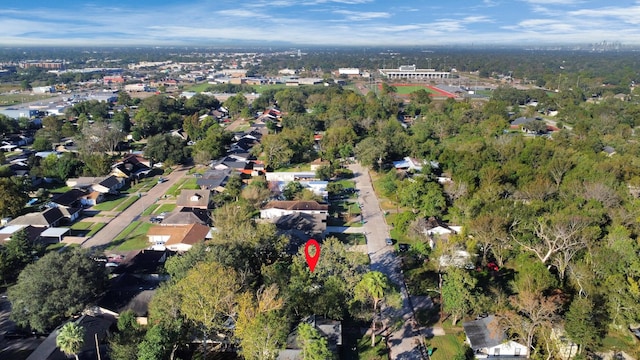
column 123, row 345
column 42, row 143
column 12, row 198
column 166, row 148
column 314, row 345
column 292, row 189
column 532, row 313
column 373, row 286
column 581, row 325
column 260, row 325
column 457, row 293
column 41, row 301
column 16, row 254
column 70, row 339
column 208, row 297
column 213, row 145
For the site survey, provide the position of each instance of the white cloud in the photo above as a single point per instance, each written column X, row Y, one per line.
column 554, row 2
column 359, row 16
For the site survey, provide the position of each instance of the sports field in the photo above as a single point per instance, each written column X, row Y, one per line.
column 406, row 89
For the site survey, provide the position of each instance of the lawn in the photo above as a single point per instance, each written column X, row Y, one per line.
column 82, row 225
column 128, row 202
column 174, row 190
column 623, row 341
column 190, row 184
column 165, row 208
column 133, row 237
column 198, row 87
column 95, row 228
column 295, row 167
column 260, row 88
column 366, row 352
column 110, row 205
column 350, row 239
column 91, row 227
column 13, row 99
column 150, row 209
column 445, row 347
column 346, row 184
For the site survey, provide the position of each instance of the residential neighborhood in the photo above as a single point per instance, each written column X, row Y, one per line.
column 160, row 209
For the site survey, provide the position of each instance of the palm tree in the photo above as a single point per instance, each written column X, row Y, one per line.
column 70, row 339
column 372, row 286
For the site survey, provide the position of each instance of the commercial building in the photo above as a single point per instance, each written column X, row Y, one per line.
column 411, row 73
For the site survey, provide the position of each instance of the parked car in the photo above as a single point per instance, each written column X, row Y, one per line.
column 388, row 241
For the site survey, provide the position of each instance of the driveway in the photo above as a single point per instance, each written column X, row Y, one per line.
column 132, row 213
column 403, row 343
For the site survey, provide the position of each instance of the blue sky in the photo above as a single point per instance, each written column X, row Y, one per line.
column 318, row 22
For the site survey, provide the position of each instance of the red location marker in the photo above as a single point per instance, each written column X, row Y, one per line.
column 312, row 260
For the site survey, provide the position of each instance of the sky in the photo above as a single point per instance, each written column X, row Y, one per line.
column 318, row 22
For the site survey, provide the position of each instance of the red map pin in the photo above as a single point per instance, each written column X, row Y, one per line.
column 312, row 260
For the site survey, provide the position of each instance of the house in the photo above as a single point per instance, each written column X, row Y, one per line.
column 330, row 329
column 318, row 163
column 177, row 237
column 143, row 263
column 48, row 218
column 187, row 216
column 409, row 163
column 96, row 331
column 275, row 209
column 214, row 179
column 609, row 150
column 70, row 198
column 487, row 340
column 301, row 227
column 131, row 166
column 288, row 176
column 33, row 232
column 53, row 235
column 109, row 185
column 437, row 229
column 127, row 292
column 195, row 199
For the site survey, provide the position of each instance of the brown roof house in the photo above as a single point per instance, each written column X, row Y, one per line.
column 131, row 166
column 275, row 209
column 198, row 199
column 177, row 237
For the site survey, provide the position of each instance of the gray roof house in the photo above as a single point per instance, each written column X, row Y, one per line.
column 486, row 338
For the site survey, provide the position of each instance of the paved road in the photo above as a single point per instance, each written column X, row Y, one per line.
column 403, row 343
column 115, row 226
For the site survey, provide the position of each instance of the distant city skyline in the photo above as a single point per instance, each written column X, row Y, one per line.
column 318, row 22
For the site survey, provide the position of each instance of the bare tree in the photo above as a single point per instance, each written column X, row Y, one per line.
column 602, row 193
column 556, row 233
column 531, row 313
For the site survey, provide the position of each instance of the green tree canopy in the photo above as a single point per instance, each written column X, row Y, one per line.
column 41, row 301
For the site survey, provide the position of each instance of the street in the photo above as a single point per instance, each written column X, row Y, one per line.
column 115, row 226
column 403, row 343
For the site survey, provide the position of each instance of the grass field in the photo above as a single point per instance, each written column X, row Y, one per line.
column 366, row 352
column 350, row 239
column 133, row 237
column 150, row 209
column 402, row 89
column 445, row 347
column 165, row 208
column 128, row 202
column 13, row 99
column 110, row 205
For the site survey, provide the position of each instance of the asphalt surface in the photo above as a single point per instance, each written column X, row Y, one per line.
column 133, row 212
column 404, row 342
